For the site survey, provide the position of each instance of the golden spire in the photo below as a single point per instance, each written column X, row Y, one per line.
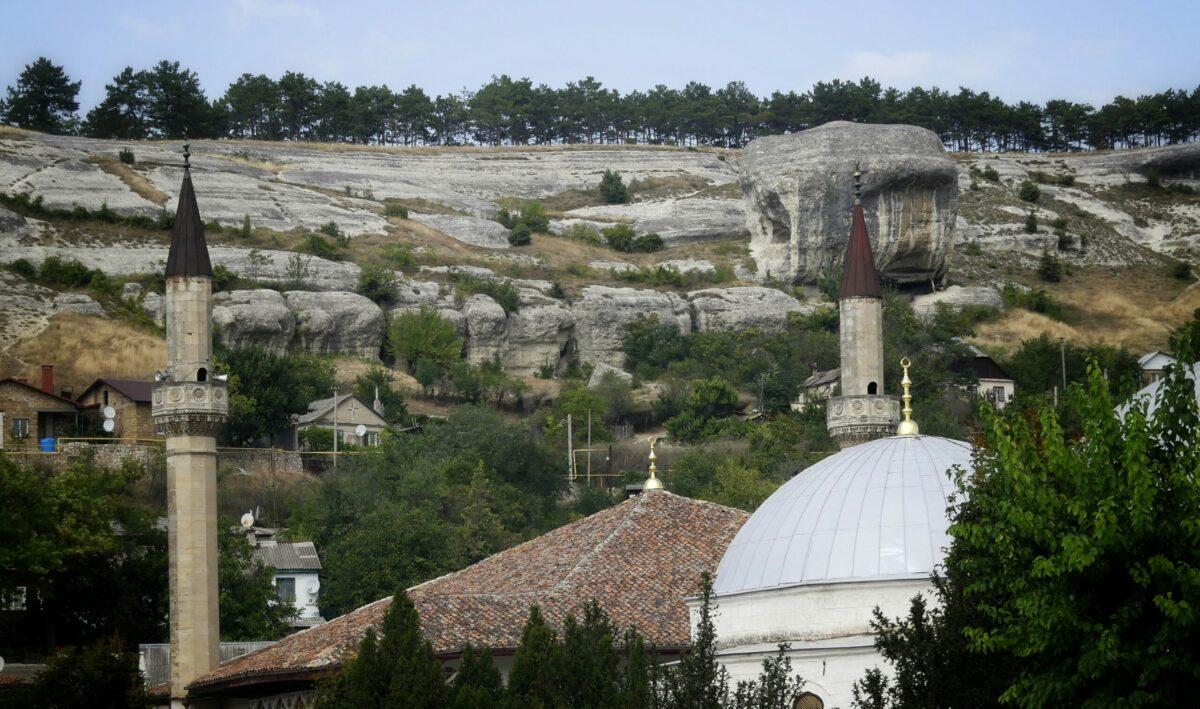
column 907, row 427
column 652, row 482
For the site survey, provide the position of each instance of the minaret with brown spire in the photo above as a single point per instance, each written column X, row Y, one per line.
column 861, row 413
column 189, row 405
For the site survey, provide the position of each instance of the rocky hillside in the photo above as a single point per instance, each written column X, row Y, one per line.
column 733, row 225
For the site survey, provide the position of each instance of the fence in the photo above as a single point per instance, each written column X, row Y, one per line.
column 154, row 659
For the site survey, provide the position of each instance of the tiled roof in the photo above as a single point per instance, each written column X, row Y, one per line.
column 135, row 390
column 288, row 556
column 70, row 405
column 638, row 559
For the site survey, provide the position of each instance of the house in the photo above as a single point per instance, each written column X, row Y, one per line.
column 817, row 388
column 995, row 384
column 1152, row 365
column 297, row 570
column 639, row 560
column 29, row 414
column 130, row 400
column 342, row 414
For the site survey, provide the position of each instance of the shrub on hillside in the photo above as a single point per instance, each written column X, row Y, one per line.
column 1028, row 191
column 320, row 247
column 613, row 189
column 584, row 233
column 377, row 283
column 1031, row 223
column 394, row 209
column 520, row 235
column 989, row 173
column 648, row 243
column 1050, row 268
column 534, row 217
column 125, row 155
column 619, row 237
column 1182, row 270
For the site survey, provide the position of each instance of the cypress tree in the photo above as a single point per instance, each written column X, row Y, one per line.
column 416, row 677
column 590, row 664
column 534, row 678
column 477, row 684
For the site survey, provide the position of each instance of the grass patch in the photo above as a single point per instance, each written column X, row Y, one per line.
column 245, row 158
column 420, row 204
column 661, row 186
column 132, row 178
column 84, row 348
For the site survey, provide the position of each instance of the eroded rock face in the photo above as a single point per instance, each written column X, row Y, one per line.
column 957, row 298
column 254, row 317
column 336, row 323
column 537, row 335
column 485, row 329
column 602, row 314
column 78, row 303
column 799, row 190
column 602, row 371
column 742, row 308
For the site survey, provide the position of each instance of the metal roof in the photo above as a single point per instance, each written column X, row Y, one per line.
column 821, row 378
column 189, row 253
column 871, row 512
column 135, row 390
column 860, row 279
column 289, row 556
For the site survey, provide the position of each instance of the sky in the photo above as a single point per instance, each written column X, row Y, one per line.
column 1018, row 50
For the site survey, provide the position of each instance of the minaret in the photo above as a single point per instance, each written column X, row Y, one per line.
column 861, row 413
column 189, row 405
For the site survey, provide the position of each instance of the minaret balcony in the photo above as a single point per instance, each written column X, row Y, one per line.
column 190, row 407
column 860, row 418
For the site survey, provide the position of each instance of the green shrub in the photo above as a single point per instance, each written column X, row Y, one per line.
column 1031, row 225
column 1036, row 300
column 1050, row 268
column 1182, row 270
column 648, row 243
column 520, row 235
column 534, row 217
column 125, row 155
column 331, row 229
column 57, row 273
column 503, row 291
column 24, row 269
column 584, row 233
column 394, row 209
column 320, row 247
column 1153, row 179
column 245, row 231
column 613, row 189
column 378, row 284
column 223, row 278
column 1180, row 188
column 399, row 257
column 619, row 237
column 1064, row 240
column 972, row 248
column 557, row 291
column 989, row 173
column 505, row 219
column 1028, row 191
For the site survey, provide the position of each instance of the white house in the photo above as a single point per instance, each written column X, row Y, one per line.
column 342, row 414
column 1152, row 365
column 297, row 570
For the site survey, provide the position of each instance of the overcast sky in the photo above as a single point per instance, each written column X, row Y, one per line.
column 1085, row 51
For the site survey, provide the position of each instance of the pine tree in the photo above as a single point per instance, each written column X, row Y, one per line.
column 699, row 681
column 43, row 99
column 590, row 663
column 477, row 684
column 534, row 680
column 482, row 531
column 612, row 189
column 122, row 113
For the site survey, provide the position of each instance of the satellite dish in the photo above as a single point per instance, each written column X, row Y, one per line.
column 248, row 520
column 109, row 412
column 360, row 430
column 1, row 664
column 108, row 425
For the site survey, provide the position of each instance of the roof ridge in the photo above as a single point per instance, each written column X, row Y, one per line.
column 585, row 560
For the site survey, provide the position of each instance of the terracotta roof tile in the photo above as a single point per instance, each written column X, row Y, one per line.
column 638, row 559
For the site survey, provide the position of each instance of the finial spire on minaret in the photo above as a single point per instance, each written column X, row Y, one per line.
column 857, row 184
column 188, row 255
column 652, row 482
column 860, row 278
column 907, row 427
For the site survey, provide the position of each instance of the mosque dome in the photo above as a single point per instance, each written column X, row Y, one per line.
column 871, row 512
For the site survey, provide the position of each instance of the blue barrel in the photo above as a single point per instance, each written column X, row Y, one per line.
column 47, row 444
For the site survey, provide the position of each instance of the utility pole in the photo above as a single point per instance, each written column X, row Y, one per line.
column 589, row 444
column 570, row 450
column 335, row 408
column 1062, row 353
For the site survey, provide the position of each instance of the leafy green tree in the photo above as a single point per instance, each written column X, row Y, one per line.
column 712, row 400
column 482, row 531
column 122, row 113
column 423, row 334
column 101, row 676
column 612, row 188
column 650, row 345
column 266, row 389
column 43, row 98
column 620, row 237
column 249, row 606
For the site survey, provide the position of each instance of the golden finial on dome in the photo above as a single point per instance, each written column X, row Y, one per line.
column 907, row 427
column 652, row 482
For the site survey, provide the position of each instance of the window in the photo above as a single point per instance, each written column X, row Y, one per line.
column 20, row 428
column 371, row 438
column 201, row 374
column 285, row 589
column 106, row 397
column 998, row 395
column 872, row 388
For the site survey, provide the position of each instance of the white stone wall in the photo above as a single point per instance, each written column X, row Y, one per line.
column 189, row 326
column 988, row 388
column 308, row 587
column 827, row 625
column 861, row 339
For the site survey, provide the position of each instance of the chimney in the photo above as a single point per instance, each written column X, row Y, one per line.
column 48, row 378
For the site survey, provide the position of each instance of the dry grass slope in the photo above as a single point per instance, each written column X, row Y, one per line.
column 83, row 348
column 136, row 182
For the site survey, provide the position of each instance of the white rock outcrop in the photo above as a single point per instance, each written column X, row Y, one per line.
column 336, row 323
column 741, row 308
column 78, row 303
column 799, row 191
column 602, row 314
column 957, row 298
column 603, row 371
column 259, row 318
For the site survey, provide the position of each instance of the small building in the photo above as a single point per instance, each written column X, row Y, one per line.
column 817, row 388
column 29, row 414
column 343, row 415
column 995, row 384
column 130, row 400
column 1152, row 365
column 297, row 570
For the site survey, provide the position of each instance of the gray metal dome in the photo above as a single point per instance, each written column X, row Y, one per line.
column 874, row 511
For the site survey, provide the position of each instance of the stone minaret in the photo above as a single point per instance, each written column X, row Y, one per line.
column 861, row 413
column 189, row 405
